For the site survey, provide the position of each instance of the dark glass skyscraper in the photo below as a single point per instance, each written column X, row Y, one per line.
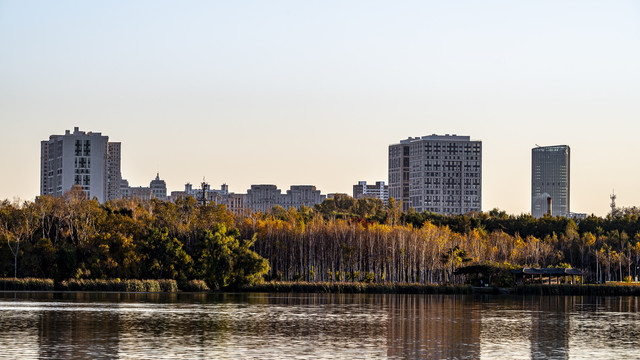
column 550, row 179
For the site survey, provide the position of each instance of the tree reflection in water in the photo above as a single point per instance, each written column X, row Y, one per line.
column 91, row 325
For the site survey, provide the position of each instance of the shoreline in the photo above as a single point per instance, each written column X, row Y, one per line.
column 372, row 288
column 134, row 286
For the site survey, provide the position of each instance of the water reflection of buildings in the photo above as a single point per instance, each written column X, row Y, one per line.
column 125, row 325
column 87, row 325
column 433, row 327
column 550, row 326
column 78, row 334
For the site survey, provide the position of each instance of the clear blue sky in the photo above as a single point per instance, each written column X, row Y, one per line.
column 296, row 92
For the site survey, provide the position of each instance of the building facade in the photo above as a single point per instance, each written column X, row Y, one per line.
column 550, row 178
column 114, row 176
column 140, row 192
column 437, row 173
column 399, row 173
column 83, row 159
column 158, row 188
column 265, row 196
column 205, row 193
column 301, row 195
column 124, row 188
column 377, row 191
column 235, row 203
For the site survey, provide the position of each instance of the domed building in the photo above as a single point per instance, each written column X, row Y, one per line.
column 158, row 188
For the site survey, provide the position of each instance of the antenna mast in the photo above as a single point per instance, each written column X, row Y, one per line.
column 613, row 203
column 203, row 185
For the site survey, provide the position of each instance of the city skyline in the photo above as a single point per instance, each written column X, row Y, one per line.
column 296, row 93
column 432, row 173
column 83, row 134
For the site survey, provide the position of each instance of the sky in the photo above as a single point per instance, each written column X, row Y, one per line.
column 301, row 92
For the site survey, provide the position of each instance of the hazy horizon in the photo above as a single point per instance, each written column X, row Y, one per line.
column 290, row 92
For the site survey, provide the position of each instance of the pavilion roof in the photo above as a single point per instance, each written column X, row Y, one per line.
column 548, row 271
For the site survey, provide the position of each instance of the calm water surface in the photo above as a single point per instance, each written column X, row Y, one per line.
column 315, row 326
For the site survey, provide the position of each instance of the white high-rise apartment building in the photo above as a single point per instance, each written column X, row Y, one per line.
column 550, row 181
column 80, row 158
column 437, row 173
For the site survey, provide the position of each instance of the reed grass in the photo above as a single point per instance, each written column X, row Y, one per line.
column 133, row 285
column 35, row 284
column 118, row 285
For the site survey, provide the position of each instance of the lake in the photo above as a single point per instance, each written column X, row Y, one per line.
column 316, row 326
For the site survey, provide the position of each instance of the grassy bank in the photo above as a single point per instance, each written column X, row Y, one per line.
column 356, row 288
column 117, row 285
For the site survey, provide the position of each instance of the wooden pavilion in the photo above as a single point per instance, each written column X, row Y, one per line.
column 545, row 275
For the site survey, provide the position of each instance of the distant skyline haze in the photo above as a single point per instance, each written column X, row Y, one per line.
column 290, row 92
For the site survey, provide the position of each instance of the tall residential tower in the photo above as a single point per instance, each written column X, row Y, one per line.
column 437, row 173
column 550, row 185
column 80, row 158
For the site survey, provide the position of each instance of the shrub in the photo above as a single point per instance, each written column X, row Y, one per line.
column 195, row 285
column 168, row 285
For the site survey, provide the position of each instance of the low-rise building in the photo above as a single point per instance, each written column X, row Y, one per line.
column 260, row 197
column 377, row 191
column 124, row 188
column 157, row 189
column 265, row 196
column 140, row 193
column 205, row 193
column 235, row 203
column 302, row 195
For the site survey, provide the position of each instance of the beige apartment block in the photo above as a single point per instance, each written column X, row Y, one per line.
column 437, row 173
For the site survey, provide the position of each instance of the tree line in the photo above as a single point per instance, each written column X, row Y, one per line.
column 72, row 237
column 342, row 239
